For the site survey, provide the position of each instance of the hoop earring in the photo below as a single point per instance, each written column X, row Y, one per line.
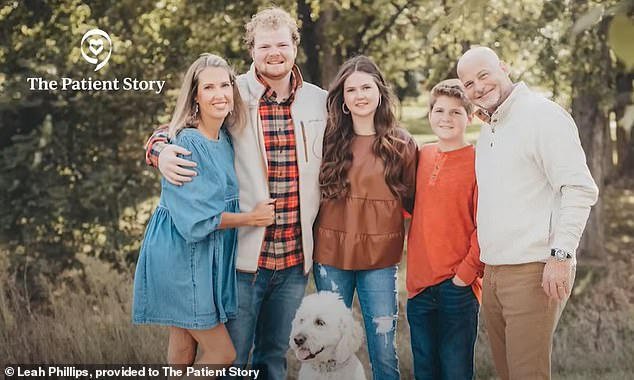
column 196, row 110
column 380, row 97
column 345, row 109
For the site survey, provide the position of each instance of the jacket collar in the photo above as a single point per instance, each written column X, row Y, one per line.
column 519, row 90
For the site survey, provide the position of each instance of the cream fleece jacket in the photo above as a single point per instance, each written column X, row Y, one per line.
column 535, row 189
column 308, row 112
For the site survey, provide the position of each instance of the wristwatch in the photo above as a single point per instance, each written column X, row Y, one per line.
column 560, row 254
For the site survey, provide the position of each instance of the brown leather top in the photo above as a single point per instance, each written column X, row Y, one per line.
column 364, row 230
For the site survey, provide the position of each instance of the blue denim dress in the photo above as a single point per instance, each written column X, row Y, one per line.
column 185, row 275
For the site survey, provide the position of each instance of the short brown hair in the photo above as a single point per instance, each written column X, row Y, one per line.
column 452, row 88
column 272, row 18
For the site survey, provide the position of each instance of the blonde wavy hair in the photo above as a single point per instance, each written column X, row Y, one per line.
column 271, row 18
column 184, row 114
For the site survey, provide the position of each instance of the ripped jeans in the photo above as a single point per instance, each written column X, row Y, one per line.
column 376, row 289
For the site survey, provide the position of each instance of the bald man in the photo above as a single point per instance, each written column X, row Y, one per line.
column 535, row 194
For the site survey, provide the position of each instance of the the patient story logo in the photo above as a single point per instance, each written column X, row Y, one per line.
column 96, row 48
column 93, row 44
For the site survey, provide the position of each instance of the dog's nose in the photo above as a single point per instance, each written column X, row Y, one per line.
column 299, row 339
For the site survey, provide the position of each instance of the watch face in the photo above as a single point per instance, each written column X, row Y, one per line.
column 560, row 254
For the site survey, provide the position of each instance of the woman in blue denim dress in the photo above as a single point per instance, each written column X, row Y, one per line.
column 185, row 276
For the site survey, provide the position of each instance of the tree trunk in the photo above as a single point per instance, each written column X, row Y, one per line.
column 628, row 160
column 330, row 57
column 591, row 117
column 624, row 134
column 593, row 131
column 309, row 43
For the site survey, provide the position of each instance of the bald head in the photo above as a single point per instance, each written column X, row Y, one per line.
column 484, row 77
column 481, row 55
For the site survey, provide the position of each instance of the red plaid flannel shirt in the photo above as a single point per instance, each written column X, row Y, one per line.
column 282, row 247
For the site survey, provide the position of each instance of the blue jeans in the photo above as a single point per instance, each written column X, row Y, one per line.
column 267, row 302
column 443, row 321
column 377, row 294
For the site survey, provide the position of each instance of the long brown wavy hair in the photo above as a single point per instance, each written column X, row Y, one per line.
column 389, row 143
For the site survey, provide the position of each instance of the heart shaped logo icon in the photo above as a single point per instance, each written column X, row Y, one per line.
column 96, row 46
column 102, row 42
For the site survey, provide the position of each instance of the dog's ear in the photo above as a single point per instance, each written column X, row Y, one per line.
column 351, row 337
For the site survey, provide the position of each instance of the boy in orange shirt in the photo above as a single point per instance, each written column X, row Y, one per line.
column 443, row 257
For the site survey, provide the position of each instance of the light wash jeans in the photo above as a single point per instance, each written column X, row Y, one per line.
column 376, row 289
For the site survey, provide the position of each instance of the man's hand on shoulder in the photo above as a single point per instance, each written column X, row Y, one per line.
column 174, row 168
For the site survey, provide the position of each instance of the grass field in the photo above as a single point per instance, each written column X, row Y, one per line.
column 88, row 317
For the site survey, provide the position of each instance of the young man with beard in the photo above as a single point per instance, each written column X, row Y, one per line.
column 535, row 194
column 277, row 156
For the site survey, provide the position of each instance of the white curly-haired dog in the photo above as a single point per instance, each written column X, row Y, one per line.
column 325, row 338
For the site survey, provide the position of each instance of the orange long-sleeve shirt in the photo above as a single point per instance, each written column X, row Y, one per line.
column 442, row 239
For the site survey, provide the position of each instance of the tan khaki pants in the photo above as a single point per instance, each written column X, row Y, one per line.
column 520, row 320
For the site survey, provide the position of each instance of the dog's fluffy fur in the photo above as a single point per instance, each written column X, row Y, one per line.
column 325, row 338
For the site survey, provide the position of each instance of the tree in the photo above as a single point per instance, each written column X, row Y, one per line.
column 618, row 16
column 72, row 164
column 72, row 160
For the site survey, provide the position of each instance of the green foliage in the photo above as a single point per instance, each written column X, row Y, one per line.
column 621, row 27
column 72, row 164
column 620, row 38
